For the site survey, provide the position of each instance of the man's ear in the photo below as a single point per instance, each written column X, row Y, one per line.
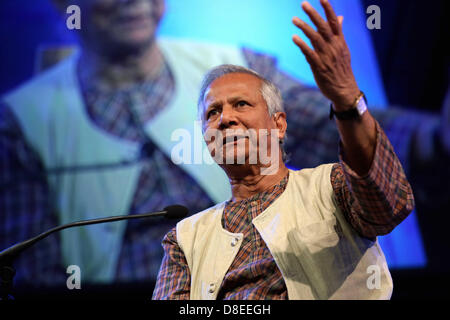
column 279, row 119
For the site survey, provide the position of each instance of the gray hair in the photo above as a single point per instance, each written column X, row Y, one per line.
column 270, row 93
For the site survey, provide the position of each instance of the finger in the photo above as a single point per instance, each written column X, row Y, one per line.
column 316, row 40
column 341, row 20
column 322, row 26
column 311, row 56
column 333, row 21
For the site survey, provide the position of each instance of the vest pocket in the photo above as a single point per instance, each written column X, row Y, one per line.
column 316, row 261
column 311, row 246
column 321, row 234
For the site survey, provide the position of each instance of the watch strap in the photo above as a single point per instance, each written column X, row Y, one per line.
column 357, row 110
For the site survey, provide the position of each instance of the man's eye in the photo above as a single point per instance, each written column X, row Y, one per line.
column 211, row 113
column 242, row 103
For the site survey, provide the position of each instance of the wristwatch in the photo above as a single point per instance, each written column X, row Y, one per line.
column 356, row 112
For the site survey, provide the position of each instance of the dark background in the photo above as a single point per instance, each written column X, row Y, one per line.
column 412, row 51
column 413, row 55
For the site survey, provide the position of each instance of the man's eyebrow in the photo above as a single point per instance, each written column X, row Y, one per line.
column 231, row 100
column 215, row 104
column 235, row 99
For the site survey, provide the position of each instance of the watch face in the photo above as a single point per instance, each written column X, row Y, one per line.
column 361, row 106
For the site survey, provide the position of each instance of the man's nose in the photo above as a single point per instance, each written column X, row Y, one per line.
column 228, row 118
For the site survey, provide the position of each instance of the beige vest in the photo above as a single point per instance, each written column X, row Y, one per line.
column 317, row 251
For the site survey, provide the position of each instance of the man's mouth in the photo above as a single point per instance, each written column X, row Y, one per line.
column 133, row 20
column 233, row 139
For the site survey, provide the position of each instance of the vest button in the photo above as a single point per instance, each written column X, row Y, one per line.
column 212, row 287
column 234, row 242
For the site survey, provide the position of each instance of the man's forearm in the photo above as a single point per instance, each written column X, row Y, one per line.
column 359, row 138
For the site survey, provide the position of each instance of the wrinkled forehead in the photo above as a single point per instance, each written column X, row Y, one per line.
column 230, row 84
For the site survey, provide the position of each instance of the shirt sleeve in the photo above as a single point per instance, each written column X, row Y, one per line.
column 376, row 203
column 174, row 278
column 25, row 209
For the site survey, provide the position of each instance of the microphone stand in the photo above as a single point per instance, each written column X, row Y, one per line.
column 7, row 256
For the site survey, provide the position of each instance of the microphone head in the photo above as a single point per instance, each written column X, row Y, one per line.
column 176, row 211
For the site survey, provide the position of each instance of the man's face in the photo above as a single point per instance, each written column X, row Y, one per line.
column 234, row 106
column 113, row 26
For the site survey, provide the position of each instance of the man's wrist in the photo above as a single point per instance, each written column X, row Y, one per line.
column 355, row 111
column 348, row 102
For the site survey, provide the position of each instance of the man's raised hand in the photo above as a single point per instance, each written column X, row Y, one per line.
column 330, row 57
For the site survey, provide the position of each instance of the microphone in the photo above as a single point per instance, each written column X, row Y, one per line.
column 176, row 211
column 8, row 255
column 170, row 212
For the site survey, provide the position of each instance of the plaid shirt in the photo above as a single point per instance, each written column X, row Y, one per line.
column 25, row 203
column 373, row 205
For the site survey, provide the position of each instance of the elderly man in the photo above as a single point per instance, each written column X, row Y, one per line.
column 91, row 137
column 308, row 234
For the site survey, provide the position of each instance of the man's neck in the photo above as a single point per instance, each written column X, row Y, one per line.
column 120, row 72
column 247, row 180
